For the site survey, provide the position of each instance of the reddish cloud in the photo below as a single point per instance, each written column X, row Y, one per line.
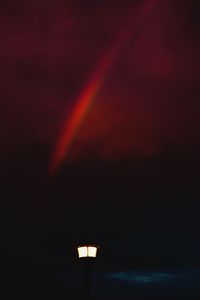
column 149, row 99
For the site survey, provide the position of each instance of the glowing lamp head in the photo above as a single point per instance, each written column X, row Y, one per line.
column 87, row 251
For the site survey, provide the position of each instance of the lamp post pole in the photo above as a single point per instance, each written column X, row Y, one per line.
column 87, row 282
column 87, row 254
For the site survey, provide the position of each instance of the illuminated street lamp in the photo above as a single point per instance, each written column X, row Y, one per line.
column 89, row 251
column 87, row 254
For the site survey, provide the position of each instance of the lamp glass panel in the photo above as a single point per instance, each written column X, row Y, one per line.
column 82, row 251
column 92, row 251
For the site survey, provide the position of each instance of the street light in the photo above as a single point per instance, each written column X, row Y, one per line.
column 87, row 251
column 87, row 254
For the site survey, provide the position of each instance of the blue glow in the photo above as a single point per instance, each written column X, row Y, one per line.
column 169, row 278
column 145, row 277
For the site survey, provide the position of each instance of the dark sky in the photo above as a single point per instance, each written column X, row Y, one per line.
column 130, row 179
